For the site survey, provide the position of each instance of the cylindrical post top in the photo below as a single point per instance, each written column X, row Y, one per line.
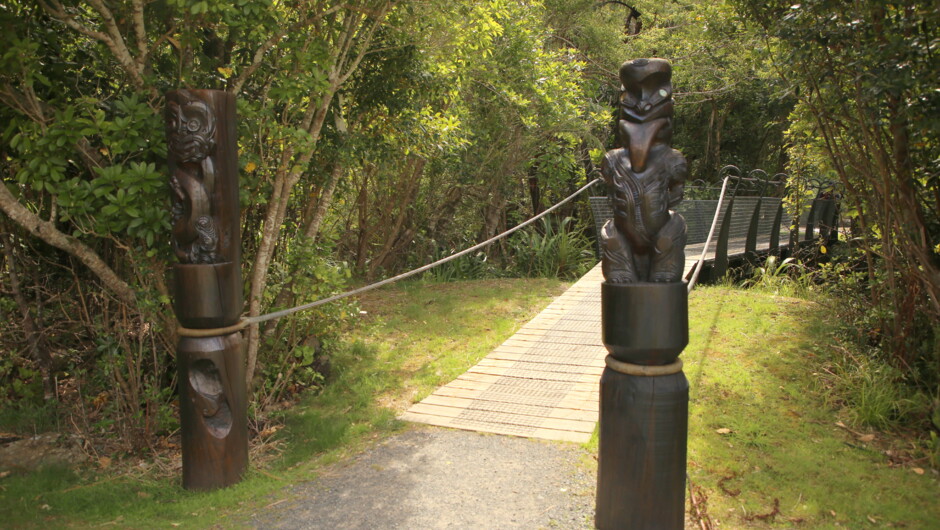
column 203, row 161
column 645, row 323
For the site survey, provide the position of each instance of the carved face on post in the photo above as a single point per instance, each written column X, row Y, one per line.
column 190, row 127
column 207, row 287
column 646, row 240
column 645, row 108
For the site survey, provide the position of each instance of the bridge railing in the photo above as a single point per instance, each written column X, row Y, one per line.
column 749, row 222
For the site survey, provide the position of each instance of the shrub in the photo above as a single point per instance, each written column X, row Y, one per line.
column 552, row 252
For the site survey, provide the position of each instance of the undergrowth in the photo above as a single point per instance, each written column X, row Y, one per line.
column 770, row 445
column 860, row 374
column 549, row 249
column 410, row 339
column 770, row 440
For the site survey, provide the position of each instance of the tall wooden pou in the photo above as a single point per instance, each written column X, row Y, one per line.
column 207, row 287
column 644, row 394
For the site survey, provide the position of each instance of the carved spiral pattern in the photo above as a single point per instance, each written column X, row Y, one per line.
column 190, row 126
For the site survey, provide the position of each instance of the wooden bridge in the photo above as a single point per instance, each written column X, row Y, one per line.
column 543, row 382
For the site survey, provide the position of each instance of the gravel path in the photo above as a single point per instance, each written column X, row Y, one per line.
column 429, row 477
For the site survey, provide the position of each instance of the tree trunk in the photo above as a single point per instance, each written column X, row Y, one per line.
column 365, row 230
column 350, row 46
column 493, row 214
column 708, row 165
column 534, row 192
column 444, row 213
column 716, row 146
column 286, row 178
column 404, row 205
column 326, row 200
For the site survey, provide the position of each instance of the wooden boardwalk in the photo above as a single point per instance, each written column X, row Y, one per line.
column 543, row 382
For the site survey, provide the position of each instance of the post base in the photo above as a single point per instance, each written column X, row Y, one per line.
column 213, row 410
column 641, row 470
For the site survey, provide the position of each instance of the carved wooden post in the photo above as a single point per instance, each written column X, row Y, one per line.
column 644, row 394
column 203, row 162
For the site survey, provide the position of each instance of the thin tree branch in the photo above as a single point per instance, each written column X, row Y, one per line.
column 118, row 44
column 140, row 33
column 47, row 231
column 258, row 57
column 57, row 11
column 112, row 38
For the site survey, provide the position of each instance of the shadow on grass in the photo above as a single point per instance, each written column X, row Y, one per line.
column 703, row 350
column 762, row 442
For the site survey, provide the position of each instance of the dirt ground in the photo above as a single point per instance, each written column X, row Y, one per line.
column 430, row 477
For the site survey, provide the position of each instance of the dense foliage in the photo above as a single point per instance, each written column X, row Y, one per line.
column 864, row 74
column 374, row 135
column 377, row 135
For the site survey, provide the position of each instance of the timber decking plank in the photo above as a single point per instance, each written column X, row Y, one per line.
column 460, row 415
column 542, row 382
column 542, row 433
column 582, row 400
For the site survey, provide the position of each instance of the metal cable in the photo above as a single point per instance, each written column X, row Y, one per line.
column 711, row 232
column 284, row 312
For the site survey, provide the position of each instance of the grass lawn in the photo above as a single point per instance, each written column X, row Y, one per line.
column 765, row 449
column 762, row 438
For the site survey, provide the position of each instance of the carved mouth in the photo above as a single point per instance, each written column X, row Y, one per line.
column 189, row 148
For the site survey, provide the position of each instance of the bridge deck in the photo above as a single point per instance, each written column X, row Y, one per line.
column 543, row 382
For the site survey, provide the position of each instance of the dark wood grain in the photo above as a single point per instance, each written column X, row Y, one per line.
column 642, row 451
column 645, row 323
column 207, row 287
column 645, row 239
column 213, row 411
column 643, row 419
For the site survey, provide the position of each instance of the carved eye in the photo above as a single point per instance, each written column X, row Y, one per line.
column 172, row 116
column 628, row 99
column 193, row 125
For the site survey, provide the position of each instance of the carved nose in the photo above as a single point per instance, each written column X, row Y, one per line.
column 639, row 140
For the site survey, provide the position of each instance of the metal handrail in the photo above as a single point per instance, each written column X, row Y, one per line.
column 711, row 232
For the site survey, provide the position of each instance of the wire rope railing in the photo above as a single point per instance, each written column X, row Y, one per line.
column 250, row 320
column 720, row 210
column 711, row 233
